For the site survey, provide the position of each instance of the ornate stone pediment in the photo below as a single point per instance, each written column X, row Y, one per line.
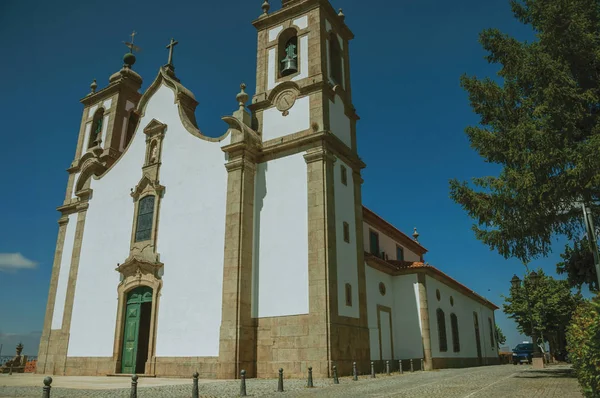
column 144, row 183
column 139, row 266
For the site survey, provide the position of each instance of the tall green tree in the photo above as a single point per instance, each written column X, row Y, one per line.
column 540, row 123
column 548, row 302
column 578, row 265
column 500, row 337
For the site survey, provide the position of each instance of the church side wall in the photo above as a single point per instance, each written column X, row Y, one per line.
column 347, row 267
column 463, row 307
column 281, row 238
column 381, row 349
column 408, row 342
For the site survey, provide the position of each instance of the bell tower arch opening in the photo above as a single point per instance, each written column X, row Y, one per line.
column 288, row 52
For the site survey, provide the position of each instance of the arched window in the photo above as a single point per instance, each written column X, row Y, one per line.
column 441, row 321
column 145, row 218
column 288, row 52
column 491, row 331
column 96, row 127
column 335, row 59
column 131, row 125
column 455, row 336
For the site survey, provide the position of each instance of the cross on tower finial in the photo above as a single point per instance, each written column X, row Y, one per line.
column 172, row 44
column 130, row 45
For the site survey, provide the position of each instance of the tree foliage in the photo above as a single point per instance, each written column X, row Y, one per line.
column 583, row 339
column 551, row 306
column 578, row 264
column 500, row 337
column 541, row 125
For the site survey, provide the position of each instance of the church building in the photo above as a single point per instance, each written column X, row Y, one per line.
column 178, row 252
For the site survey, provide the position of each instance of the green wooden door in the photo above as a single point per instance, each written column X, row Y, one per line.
column 131, row 331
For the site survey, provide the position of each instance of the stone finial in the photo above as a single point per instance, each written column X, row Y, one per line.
column 242, row 97
column 47, row 380
column 341, row 15
column 93, row 86
column 416, row 235
column 265, row 7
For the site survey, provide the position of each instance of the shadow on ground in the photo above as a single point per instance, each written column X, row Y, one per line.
column 547, row 373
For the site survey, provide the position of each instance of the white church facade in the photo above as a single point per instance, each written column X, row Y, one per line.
column 179, row 252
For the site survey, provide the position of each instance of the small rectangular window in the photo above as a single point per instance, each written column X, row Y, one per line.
column 374, row 243
column 344, row 175
column 399, row 253
column 348, row 295
column 346, row 232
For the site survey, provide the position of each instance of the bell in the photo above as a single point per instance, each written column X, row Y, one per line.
column 289, row 66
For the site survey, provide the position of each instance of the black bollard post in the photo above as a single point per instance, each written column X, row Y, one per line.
column 243, row 383
column 387, row 367
column 354, row 373
column 133, row 393
column 372, row 370
column 195, row 392
column 47, row 382
column 335, row 376
column 10, row 370
column 310, row 380
column 422, row 364
column 412, row 368
column 400, row 366
column 280, row 382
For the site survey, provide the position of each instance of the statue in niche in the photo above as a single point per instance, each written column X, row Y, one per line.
column 154, row 153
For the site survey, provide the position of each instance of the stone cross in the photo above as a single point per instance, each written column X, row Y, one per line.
column 171, row 45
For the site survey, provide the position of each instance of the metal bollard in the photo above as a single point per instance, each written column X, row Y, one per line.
column 47, row 382
column 195, row 392
column 422, row 364
column 280, row 381
column 354, row 373
column 372, row 370
column 133, row 393
column 400, row 366
column 387, row 367
column 335, row 376
column 10, row 370
column 310, row 380
column 243, row 383
column 412, row 368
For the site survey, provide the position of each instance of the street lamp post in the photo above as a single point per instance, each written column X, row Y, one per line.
column 537, row 358
column 591, row 232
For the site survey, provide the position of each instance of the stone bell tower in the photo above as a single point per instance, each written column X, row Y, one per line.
column 300, row 274
column 107, row 125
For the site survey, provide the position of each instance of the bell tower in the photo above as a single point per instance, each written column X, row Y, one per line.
column 299, row 292
column 303, row 72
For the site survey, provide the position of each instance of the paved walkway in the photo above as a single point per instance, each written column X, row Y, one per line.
column 484, row 382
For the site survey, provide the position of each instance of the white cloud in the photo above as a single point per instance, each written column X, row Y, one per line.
column 15, row 261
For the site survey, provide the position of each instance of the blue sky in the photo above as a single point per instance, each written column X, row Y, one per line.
column 406, row 61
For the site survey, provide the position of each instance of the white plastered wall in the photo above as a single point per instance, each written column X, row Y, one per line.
column 374, row 298
column 387, row 245
column 190, row 242
column 65, row 269
column 347, row 267
column 275, row 125
column 408, row 341
column 463, row 307
column 339, row 122
column 280, row 263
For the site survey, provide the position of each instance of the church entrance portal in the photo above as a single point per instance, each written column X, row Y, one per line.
column 136, row 331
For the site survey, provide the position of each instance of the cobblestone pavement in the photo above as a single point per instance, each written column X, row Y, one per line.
column 484, row 382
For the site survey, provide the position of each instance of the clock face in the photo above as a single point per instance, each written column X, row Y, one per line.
column 285, row 100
